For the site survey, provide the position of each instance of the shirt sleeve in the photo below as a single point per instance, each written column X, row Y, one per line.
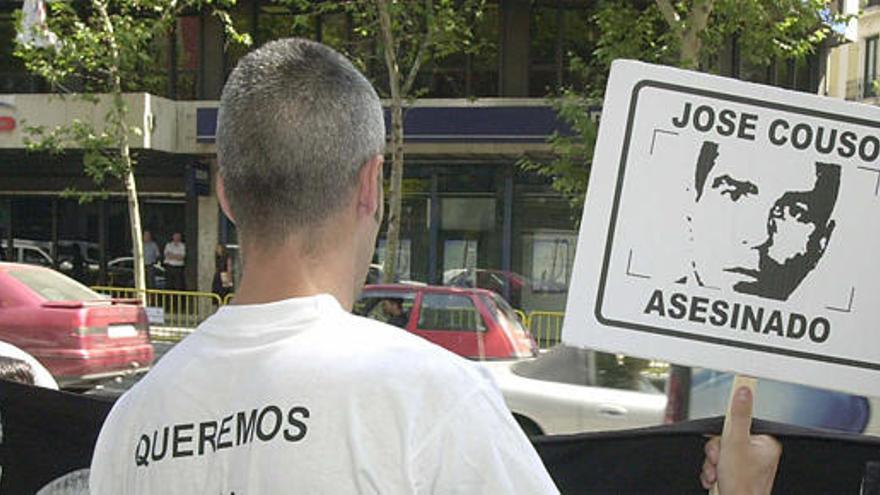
column 477, row 447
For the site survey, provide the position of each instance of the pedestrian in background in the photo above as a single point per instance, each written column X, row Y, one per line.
column 223, row 282
column 175, row 257
column 151, row 257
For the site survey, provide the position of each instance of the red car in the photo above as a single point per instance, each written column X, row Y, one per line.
column 77, row 334
column 474, row 323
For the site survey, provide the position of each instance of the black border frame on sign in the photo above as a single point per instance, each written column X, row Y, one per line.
column 600, row 296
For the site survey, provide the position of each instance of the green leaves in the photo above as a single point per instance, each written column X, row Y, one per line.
column 569, row 170
column 765, row 30
column 106, row 46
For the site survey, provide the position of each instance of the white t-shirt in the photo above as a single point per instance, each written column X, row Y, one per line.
column 175, row 254
column 299, row 396
column 42, row 377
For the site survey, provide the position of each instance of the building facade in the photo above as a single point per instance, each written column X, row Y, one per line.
column 467, row 204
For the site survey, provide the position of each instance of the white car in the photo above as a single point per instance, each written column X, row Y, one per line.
column 788, row 403
column 559, row 392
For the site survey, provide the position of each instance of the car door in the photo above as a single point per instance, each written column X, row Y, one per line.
column 453, row 322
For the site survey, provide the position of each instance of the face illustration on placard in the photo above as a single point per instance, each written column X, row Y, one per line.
column 759, row 227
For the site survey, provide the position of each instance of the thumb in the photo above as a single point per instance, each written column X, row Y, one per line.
column 739, row 420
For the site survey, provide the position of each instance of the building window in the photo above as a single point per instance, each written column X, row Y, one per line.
column 870, row 66
column 559, row 32
column 463, row 74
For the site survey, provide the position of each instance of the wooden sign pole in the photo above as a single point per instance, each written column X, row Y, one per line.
column 739, row 381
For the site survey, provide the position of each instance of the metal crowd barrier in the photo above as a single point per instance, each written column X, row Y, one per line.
column 545, row 327
column 173, row 314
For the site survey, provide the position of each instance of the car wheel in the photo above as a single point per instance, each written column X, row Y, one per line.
column 529, row 427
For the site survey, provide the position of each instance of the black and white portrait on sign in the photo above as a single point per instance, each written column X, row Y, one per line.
column 781, row 231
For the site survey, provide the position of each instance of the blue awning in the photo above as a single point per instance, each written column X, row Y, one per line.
column 450, row 124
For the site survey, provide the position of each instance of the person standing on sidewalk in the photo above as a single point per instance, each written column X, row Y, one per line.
column 286, row 391
column 222, row 284
column 151, row 257
column 175, row 259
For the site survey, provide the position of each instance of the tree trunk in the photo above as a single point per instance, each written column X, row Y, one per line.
column 688, row 30
column 392, row 238
column 119, row 129
column 690, row 52
column 137, row 243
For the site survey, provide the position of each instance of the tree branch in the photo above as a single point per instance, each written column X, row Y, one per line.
column 699, row 16
column 390, row 50
column 691, row 44
column 423, row 48
column 669, row 13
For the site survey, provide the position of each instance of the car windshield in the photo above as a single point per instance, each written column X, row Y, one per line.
column 53, row 286
column 504, row 308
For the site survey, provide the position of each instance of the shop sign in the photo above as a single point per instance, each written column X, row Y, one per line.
column 198, row 180
column 732, row 226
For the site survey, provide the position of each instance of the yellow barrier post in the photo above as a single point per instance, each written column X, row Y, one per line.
column 546, row 327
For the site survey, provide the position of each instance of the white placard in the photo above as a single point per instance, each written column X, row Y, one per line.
column 732, row 226
column 155, row 315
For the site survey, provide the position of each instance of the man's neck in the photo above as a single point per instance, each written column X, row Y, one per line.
column 291, row 270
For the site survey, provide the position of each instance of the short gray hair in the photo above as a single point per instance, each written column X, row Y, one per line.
column 296, row 123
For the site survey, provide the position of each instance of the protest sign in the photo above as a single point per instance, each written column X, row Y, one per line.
column 733, row 226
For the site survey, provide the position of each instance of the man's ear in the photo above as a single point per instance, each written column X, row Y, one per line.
column 221, row 198
column 369, row 188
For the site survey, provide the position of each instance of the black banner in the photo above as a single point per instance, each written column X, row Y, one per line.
column 667, row 459
column 48, row 437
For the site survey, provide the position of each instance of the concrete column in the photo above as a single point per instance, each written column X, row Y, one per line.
column 208, row 218
column 515, row 41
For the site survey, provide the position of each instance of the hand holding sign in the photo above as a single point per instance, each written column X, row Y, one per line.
column 738, row 461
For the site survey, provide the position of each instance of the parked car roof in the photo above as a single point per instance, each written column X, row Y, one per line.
column 427, row 288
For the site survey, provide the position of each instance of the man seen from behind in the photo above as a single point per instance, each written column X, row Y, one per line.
column 285, row 391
